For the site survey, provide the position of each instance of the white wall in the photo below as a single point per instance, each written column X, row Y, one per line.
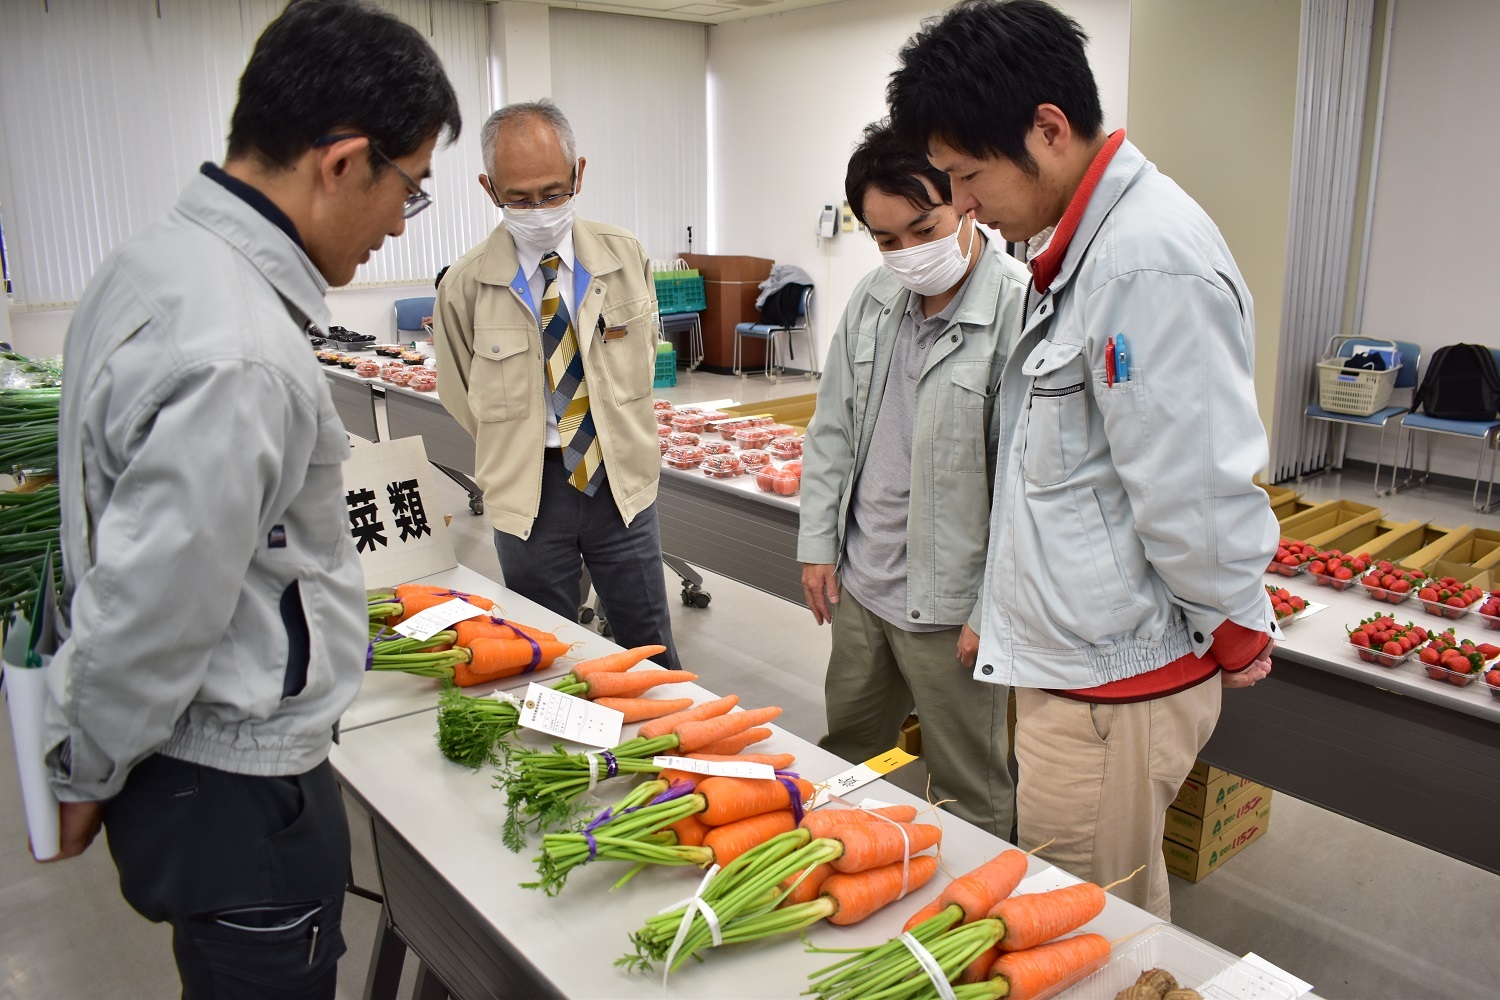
column 788, row 97
column 1437, row 210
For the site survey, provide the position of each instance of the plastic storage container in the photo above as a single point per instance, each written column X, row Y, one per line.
column 1380, row 659
column 684, row 456
column 785, row 448
column 752, row 437
column 1447, row 676
column 712, row 447
column 682, row 438
column 781, row 482
column 721, row 466
column 1194, row 963
column 692, row 423
column 666, row 369
column 754, row 459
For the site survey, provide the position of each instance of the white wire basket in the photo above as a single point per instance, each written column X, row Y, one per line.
column 1356, row 391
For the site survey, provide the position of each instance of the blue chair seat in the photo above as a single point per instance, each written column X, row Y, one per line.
column 762, row 330
column 1376, row 419
column 1437, row 425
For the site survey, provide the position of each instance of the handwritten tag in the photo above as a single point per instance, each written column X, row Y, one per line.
column 426, row 624
column 720, row 768
column 575, row 719
column 861, row 774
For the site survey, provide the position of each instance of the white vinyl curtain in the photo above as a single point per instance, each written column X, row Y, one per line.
column 107, row 109
column 634, row 89
column 1332, row 76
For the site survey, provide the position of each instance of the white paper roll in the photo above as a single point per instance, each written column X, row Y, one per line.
column 26, row 694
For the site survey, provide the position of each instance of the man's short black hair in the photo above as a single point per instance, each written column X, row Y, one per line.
column 881, row 161
column 974, row 76
column 327, row 67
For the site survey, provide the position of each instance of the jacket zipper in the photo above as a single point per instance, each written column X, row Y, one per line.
column 1051, row 393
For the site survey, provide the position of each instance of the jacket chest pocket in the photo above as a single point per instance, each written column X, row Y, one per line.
column 316, row 526
column 964, row 423
column 629, row 361
column 500, row 379
column 862, row 361
column 1057, row 424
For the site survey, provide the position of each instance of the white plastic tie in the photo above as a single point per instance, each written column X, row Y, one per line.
column 905, row 853
column 694, row 904
column 509, row 699
column 929, row 965
column 593, row 760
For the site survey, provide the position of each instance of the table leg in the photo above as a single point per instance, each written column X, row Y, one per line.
column 386, row 960
column 428, row 985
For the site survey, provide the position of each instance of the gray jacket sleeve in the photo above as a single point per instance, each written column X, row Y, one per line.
column 194, row 467
column 828, row 454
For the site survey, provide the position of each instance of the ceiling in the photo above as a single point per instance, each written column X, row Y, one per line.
column 697, row 11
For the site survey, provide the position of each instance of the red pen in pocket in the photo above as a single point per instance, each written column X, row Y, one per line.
column 1109, row 363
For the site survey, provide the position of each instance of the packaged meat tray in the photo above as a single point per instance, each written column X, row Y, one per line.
column 779, row 481
column 717, row 447
column 754, row 459
column 684, row 456
column 721, row 466
column 752, row 437
column 691, row 423
column 785, row 448
column 682, row 438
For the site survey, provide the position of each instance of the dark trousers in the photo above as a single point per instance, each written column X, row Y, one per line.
column 249, row 871
column 573, row 530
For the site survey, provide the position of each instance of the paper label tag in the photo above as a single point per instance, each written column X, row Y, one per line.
column 576, row 719
column 1046, row 880
column 861, row 774
column 426, row 624
column 720, row 768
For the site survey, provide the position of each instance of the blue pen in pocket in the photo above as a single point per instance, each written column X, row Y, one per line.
column 1122, row 359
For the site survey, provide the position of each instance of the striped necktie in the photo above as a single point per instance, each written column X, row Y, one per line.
column 568, row 394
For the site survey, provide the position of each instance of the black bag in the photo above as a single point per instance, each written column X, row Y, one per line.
column 781, row 306
column 1461, row 384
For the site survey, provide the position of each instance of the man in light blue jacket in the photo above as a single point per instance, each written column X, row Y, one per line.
column 216, row 602
column 1128, row 541
column 896, row 482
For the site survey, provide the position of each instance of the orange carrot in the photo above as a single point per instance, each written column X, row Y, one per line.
column 1037, row 917
column 862, row 893
column 731, row 746
column 617, row 663
column 871, row 845
column 706, row 710
column 633, row 683
column 825, row 822
column 489, row 628
column 415, row 603
column 641, row 709
column 491, row 659
column 923, row 915
column 780, row 761
column 978, row 970
column 672, row 776
column 690, row 831
column 408, row 589
column 809, row 888
column 698, row 735
column 730, row 799
column 730, row 840
column 1030, row 973
column 979, row 890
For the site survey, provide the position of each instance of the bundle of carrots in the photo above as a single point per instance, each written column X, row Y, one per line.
column 980, row 936
column 871, row 860
column 469, row 729
column 541, row 787
column 472, row 652
column 692, row 820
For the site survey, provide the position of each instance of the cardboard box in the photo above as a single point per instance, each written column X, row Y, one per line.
column 1373, row 537
column 1486, row 579
column 1290, row 510
column 1421, row 549
column 1283, row 500
column 1197, row 865
column 1198, row 798
column 910, row 738
column 1478, row 548
column 731, row 285
column 1327, row 515
column 1203, row 771
column 794, row 410
column 1195, row 831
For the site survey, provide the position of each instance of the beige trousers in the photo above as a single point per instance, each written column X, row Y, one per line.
column 877, row 673
column 1096, row 781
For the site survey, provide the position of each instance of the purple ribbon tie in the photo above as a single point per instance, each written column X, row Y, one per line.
column 793, row 792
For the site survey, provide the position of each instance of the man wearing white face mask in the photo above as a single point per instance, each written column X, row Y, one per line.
column 546, row 344
column 896, row 482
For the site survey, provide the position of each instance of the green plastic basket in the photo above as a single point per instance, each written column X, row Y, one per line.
column 679, row 292
column 666, row 369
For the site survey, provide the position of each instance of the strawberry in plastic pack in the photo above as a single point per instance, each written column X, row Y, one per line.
column 721, row 466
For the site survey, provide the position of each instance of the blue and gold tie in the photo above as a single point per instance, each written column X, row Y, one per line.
column 568, row 393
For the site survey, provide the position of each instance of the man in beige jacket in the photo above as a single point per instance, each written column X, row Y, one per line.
column 546, row 345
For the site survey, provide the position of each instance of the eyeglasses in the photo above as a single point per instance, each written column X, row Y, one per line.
column 551, row 201
column 416, row 199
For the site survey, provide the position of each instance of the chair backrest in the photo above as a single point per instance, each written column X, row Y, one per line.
column 804, row 309
column 1411, row 359
column 410, row 312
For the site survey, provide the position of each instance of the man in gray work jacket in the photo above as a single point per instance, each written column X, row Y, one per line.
column 217, row 613
column 896, row 482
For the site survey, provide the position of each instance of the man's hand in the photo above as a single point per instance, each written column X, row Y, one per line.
column 968, row 647
column 821, row 588
column 79, row 825
column 1258, row 669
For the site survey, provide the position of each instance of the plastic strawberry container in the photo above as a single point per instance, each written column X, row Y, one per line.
column 1438, row 610
column 752, row 437
column 1387, row 596
column 1490, row 621
column 754, row 459
column 721, row 466
column 682, row 439
column 1380, row 659
column 1282, row 570
column 1492, row 681
column 1446, row 676
column 1195, row 964
column 1328, row 580
column 684, row 456
column 691, row 423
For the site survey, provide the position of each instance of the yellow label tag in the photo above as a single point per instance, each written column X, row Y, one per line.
column 890, row 760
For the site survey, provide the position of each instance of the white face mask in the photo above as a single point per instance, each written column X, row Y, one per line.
column 931, row 268
column 540, row 228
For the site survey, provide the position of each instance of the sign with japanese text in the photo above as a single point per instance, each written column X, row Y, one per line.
column 397, row 535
